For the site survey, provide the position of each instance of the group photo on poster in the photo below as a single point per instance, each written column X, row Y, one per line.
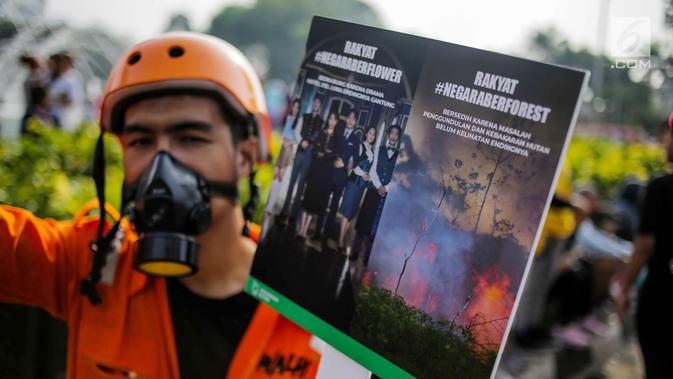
column 331, row 157
column 341, row 138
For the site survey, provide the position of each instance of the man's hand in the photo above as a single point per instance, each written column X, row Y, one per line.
column 304, row 144
column 382, row 191
column 365, row 176
column 338, row 163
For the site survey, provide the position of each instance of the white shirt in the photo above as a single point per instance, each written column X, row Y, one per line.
column 69, row 86
column 373, row 175
column 370, row 157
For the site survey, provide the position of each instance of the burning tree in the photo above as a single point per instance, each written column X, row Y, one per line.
column 498, row 158
column 425, row 227
column 460, row 188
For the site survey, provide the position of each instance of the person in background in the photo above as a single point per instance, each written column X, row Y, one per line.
column 653, row 247
column 38, row 110
column 66, row 91
column 37, row 77
column 532, row 323
column 35, row 91
column 626, row 207
column 579, row 292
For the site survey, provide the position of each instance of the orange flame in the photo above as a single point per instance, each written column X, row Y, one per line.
column 367, row 279
column 490, row 306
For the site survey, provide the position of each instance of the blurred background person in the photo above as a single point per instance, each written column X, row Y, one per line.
column 37, row 77
column 654, row 250
column 530, row 326
column 39, row 110
column 66, row 91
column 35, row 87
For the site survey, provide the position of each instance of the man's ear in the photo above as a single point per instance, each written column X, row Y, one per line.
column 246, row 156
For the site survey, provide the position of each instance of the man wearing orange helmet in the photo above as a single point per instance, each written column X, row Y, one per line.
column 191, row 117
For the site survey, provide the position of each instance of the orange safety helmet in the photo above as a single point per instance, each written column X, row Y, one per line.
column 180, row 62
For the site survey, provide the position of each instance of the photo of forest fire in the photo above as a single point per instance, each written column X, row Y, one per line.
column 451, row 248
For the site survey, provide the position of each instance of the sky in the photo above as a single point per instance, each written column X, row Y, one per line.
column 501, row 26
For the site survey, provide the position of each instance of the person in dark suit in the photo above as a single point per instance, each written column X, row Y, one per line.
column 381, row 174
column 347, row 154
column 317, row 180
column 310, row 129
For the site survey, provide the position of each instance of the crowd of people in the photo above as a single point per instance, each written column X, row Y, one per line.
column 597, row 260
column 53, row 94
column 336, row 173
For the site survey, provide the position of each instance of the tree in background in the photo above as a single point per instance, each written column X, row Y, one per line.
column 616, row 99
column 7, row 29
column 272, row 33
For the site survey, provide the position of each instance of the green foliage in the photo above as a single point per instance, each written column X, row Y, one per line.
column 7, row 29
column 263, row 178
column 607, row 164
column 417, row 343
column 49, row 171
column 280, row 28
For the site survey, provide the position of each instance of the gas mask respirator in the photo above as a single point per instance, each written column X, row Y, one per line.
column 170, row 206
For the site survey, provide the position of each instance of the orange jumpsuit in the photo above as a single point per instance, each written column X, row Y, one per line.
column 129, row 335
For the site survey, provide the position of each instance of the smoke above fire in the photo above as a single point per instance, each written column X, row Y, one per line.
column 453, row 274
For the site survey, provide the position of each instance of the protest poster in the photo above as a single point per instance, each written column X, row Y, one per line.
column 409, row 194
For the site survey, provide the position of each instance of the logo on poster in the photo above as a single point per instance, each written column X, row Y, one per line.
column 255, row 289
column 630, row 42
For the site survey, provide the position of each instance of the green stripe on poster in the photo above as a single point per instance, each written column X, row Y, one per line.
column 333, row 336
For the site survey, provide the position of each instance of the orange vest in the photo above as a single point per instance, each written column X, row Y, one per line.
column 129, row 335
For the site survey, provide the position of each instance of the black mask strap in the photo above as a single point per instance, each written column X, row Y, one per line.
column 253, row 188
column 224, row 189
column 230, row 191
column 101, row 246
